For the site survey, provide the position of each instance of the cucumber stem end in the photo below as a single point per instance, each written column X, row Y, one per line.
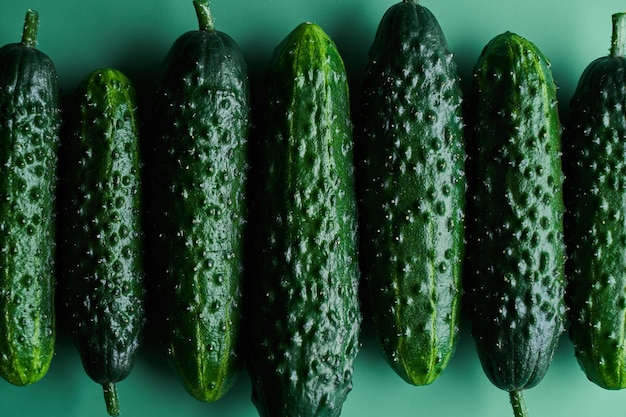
column 31, row 26
column 111, row 399
column 518, row 403
column 618, row 39
column 203, row 12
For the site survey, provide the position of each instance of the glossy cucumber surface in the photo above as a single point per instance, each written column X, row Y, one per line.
column 29, row 138
column 202, row 124
column 307, row 314
column 515, row 280
column 596, row 228
column 103, row 281
column 412, row 192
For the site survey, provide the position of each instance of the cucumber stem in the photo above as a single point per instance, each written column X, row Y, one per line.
column 205, row 19
column 518, row 403
column 31, row 25
column 618, row 39
column 111, row 399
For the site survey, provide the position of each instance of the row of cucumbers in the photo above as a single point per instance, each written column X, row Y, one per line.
column 429, row 197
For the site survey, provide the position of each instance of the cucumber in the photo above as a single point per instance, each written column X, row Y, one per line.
column 103, row 281
column 202, row 124
column 307, row 313
column 516, row 252
column 412, row 192
column 596, row 232
column 29, row 138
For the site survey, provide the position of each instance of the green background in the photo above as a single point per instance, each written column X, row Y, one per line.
column 134, row 36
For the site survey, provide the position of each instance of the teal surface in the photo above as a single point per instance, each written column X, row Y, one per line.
column 134, row 36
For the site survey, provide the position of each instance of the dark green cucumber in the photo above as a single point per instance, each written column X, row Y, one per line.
column 202, row 124
column 596, row 228
column 515, row 281
column 29, row 137
column 412, row 192
column 307, row 317
column 103, row 281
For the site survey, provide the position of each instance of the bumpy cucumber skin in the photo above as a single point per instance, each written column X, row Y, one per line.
column 516, row 252
column 202, row 121
column 307, row 313
column 29, row 138
column 596, row 227
column 412, row 192
column 103, row 282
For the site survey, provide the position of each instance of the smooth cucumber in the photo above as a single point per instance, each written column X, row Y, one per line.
column 307, row 313
column 596, row 228
column 202, row 125
column 412, row 192
column 103, row 280
column 515, row 280
column 29, row 137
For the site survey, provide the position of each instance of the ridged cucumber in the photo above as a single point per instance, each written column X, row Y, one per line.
column 596, row 228
column 29, row 138
column 103, row 281
column 412, row 192
column 516, row 252
column 202, row 125
column 307, row 312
